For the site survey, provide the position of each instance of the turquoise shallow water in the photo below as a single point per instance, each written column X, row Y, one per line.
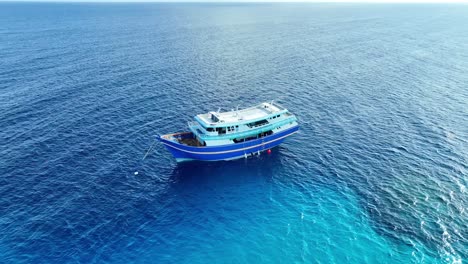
column 377, row 174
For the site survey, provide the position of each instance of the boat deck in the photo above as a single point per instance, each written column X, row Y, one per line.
column 190, row 142
column 246, row 114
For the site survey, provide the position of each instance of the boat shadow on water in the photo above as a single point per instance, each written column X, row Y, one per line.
column 234, row 171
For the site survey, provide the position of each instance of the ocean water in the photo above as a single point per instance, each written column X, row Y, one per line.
column 377, row 174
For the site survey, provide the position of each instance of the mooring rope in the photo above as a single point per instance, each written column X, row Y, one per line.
column 151, row 148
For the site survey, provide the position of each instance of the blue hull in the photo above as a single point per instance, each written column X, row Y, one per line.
column 226, row 152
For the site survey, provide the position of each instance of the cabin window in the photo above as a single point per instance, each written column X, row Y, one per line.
column 258, row 123
column 214, row 118
column 264, row 134
column 210, row 129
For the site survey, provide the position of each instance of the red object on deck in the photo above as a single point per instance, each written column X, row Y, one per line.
column 269, row 151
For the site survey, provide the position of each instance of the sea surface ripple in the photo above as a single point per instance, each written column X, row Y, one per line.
column 377, row 174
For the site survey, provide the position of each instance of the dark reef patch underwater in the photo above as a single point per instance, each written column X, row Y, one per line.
column 377, row 174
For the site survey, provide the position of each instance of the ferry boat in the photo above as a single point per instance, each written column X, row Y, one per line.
column 231, row 135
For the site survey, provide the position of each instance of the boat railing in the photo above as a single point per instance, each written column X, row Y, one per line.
column 255, row 130
column 195, row 126
column 280, row 107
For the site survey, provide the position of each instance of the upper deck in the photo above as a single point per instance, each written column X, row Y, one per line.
column 240, row 116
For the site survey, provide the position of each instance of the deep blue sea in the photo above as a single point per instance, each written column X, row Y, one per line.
column 377, row 174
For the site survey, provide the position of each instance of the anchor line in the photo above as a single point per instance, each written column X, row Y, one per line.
column 150, row 149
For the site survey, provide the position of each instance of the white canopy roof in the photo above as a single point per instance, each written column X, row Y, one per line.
column 241, row 115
